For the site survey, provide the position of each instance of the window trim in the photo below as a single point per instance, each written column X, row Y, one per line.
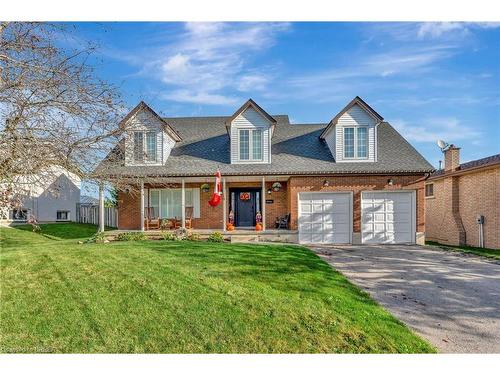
column 251, row 158
column 425, row 190
column 146, row 146
column 145, row 155
column 134, row 146
column 68, row 215
column 356, row 157
column 195, row 203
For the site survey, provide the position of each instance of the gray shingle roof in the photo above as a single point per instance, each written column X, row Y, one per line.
column 484, row 162
column 296, row 149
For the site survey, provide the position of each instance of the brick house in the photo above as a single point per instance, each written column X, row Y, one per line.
column 352, row 180
column 457, row 195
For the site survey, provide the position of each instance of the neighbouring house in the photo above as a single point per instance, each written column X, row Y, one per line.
column 354, row 179
column 459, row 197
column 50, row 196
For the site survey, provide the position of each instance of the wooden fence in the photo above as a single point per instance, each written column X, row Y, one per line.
column 89, row 214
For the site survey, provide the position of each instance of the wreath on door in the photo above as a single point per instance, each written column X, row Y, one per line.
column 245, row 196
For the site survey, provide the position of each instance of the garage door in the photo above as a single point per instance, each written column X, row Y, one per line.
column 325, row 218
column 388, row 217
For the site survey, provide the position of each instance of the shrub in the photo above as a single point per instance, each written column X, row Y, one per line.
column 131, row 236
column 99, row 237
column 169, row 236
column 190, row 236
column 216, row 237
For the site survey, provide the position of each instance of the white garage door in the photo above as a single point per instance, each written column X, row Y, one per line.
column 388, row 217
column 325, row 218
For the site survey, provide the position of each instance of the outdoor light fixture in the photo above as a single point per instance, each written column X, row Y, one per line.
column 269, row 191
column 326, row 183
column 390, row 182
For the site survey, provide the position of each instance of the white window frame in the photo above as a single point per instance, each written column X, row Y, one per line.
column 355, row 157
column 68, row 215
column 146, row 159
column 250, row 145
column 147, row 201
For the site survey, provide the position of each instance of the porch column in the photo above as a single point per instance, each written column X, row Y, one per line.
column 224, row 204
column 101, row 207
column 263, row 203
column 183, row 204
column 142, row 206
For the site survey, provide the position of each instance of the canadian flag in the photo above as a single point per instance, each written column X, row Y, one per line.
column 217, row 195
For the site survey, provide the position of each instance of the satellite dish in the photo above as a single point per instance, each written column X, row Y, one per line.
column 442, row 144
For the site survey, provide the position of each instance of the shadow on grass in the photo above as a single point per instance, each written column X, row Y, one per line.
column 63, row 231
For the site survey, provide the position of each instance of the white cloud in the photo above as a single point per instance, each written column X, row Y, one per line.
column 437, row 29
column 398, row 61
column 449, row 129
column 211, row 57
column 187, row 96
column 253, row 82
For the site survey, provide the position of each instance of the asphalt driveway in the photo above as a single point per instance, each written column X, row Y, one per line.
column 451, row 299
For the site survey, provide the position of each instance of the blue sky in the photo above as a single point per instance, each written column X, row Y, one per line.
column 429, row 80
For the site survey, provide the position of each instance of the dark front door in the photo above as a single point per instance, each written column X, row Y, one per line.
column 246, row 204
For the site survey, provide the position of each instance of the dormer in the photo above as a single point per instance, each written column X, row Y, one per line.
column 250, row 129
column 148, row 138
column 351, row 135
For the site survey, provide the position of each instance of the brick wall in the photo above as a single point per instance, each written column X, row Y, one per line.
column 285, row 201
column 356, row 184
column 129, row 210
column 451, row 213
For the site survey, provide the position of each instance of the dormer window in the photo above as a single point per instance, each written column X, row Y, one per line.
column 138, row 146
column 145, row 151
column 250, row 144
column 250, row 130
column 355, row 142
column 352, row 134
column 151, row 146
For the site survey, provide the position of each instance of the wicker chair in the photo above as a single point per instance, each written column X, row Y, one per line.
column 151, row 221
column 189, row 218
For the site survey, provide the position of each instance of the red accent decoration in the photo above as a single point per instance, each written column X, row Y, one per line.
column 244, row 196
column 215, row 201
column 216, row 196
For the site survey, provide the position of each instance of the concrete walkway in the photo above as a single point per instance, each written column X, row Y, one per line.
column 451, row 299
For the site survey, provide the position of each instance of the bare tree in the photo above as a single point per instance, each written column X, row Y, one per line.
column 54, row 111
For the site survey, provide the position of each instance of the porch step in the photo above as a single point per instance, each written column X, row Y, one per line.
column 243, row 238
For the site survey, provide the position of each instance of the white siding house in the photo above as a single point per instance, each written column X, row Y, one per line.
column 50, row 196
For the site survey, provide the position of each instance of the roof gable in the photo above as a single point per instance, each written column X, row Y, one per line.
column 246, row 105
column 144, row 107
column 356, row 101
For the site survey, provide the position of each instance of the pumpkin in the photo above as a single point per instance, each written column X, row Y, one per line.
column 258, row 227
column 230, row 227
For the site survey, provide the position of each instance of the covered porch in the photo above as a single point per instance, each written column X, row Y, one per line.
column 182, row 203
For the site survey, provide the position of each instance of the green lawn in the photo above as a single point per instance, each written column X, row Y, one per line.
column 182, row 297
column 489, row 253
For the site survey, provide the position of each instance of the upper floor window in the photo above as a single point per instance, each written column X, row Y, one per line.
column 429, row 190
column 138, row 146
column 251, row 144
column 145, row 150
column 356, row 142
column 151, row 146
